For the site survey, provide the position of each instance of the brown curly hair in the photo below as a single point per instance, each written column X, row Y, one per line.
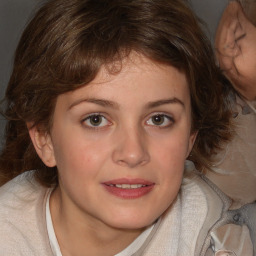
column 68, row 41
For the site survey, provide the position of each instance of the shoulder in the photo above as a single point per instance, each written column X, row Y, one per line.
column 22, row 216
column 20, row 193
column 184, row 228
column 206, row 204
column 195, row 182
column 222, row 229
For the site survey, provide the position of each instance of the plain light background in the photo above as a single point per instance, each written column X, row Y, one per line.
column 14, row 15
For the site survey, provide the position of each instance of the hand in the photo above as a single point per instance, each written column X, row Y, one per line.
column 235, row 45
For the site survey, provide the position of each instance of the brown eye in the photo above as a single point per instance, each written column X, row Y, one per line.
column 160, row 120
column 96, row 121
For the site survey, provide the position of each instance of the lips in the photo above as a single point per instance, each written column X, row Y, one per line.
column 128, row 188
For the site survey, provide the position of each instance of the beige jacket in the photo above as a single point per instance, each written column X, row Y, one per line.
column 190, row 227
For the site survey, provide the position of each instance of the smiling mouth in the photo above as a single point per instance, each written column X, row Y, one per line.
column 129, row 189
column 127, row 186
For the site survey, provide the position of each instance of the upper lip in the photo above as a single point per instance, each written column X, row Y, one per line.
column 129, row 181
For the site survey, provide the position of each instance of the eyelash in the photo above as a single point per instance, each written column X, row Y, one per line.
column 149, row 121
column 98, row 115
column 167, row 118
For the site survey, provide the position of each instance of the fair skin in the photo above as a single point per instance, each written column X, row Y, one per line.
column 236, row 49
column 130, row 128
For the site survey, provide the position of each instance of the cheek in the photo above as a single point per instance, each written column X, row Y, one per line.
column 79, row 167
column 78, row 156
column 172, row 151
column 170, row 158
column 81, row 158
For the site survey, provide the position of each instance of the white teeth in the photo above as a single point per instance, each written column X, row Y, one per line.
column 128, row 186
column 136, row 186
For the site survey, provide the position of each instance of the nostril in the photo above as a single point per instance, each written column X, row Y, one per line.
column 131, row 149
column 131, row 160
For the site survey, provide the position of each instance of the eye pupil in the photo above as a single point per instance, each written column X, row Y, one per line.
column 95, row 120
column 158, row 119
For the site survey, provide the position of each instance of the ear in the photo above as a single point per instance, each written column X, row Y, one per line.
column 228, row 32
column 191, row 142
column 43, row 144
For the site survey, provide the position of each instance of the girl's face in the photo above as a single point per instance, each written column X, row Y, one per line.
column 120, row 143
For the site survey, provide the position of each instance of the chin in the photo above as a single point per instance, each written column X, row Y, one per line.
column 132, row 221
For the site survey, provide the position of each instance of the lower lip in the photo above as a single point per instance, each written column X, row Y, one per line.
column 129, row 193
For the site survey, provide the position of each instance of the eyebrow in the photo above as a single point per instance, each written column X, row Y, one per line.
column 101, row 102
column 114, row 105
column 158, row 103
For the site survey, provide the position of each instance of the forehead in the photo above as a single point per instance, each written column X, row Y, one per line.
column 135, row 78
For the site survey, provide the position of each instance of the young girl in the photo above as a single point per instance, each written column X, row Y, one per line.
column 106, row 102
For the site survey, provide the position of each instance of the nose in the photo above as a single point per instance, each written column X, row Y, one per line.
column 131, row 148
